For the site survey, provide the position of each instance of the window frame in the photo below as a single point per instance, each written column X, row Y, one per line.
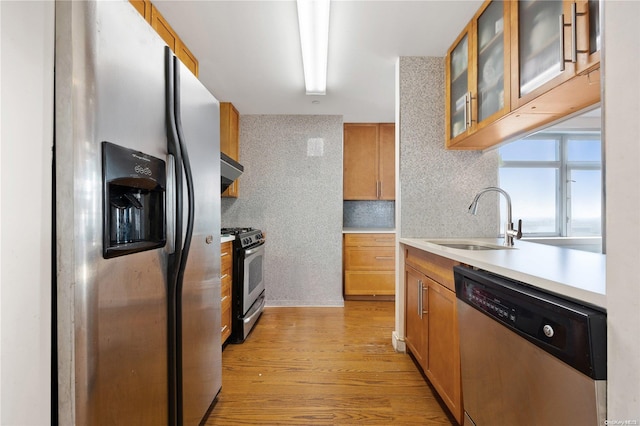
column 563, row 168
column 570, row 166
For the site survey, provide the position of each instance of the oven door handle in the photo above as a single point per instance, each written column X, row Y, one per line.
column 254, row 249
column 255, row 310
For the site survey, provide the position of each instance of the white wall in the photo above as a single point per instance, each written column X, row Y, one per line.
column 27, row 34
column 622, row 156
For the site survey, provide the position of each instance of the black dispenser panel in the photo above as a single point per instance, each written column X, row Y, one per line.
column 134, row 186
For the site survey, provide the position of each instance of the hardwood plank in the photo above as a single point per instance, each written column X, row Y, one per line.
column 331, row 366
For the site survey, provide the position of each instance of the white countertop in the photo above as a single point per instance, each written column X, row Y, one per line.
column 225, row 238
column 368, row 231
column 575, row 274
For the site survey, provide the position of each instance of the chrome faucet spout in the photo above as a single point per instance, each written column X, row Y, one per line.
column 509, row 232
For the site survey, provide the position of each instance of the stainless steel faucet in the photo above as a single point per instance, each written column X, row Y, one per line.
column 509, row 232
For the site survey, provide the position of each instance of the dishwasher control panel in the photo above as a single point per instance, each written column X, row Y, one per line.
column 567, row 330
column 548, row 328
column 484, row 300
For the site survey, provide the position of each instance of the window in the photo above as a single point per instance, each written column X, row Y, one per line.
column 555, row 184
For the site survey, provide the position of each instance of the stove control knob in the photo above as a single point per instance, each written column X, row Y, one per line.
column 548, row 330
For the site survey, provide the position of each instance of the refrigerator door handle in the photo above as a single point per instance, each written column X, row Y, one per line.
column 170, row 203
column 174, row 258
column 184, row 157
column 175, row 155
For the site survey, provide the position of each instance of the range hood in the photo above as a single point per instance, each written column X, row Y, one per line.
column 230, row 170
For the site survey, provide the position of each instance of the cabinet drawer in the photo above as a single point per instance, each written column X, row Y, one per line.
column 225, row 286
column 376, row 283
column 225, row 326
column 226, row 299
column 369, row 240
column 226, row 256
column 369, row 259
column 225, row 264
column 225, row 273
column 438, row 268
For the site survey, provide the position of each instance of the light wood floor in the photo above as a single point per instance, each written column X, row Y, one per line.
column 324, row 366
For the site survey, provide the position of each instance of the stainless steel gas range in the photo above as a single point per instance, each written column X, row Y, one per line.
column 248, row 289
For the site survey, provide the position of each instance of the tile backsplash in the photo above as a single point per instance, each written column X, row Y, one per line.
column 368, row 214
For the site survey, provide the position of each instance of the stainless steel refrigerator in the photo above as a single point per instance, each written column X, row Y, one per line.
column 137, row 223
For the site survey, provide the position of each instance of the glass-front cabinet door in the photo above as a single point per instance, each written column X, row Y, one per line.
column 552, row 41
column 458, row 96
column 540, row 48
column 539, row 44
column 518, row 65
column 478, row 88
column 492, row 77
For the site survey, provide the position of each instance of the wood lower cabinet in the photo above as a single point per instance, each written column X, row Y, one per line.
column 443, row 346
column 416, row 325
column 431, row 324
column 369, row 266
column 226, row 258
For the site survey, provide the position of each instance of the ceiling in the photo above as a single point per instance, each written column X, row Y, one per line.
column 249, row 51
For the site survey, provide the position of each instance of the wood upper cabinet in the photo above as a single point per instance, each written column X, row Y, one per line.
column 143, row 7
column 369, row 161
column 369, row 265
column 543, row 56
column 431, row 324
column 230, row 140
column 539, row 48
column 164, row 30
column 170, row 37
column 503, row 85
column 387, row 160
column 478, row 73
column 184, row 54
column 588, row 35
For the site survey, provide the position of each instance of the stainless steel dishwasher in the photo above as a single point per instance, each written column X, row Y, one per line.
column 528, row 357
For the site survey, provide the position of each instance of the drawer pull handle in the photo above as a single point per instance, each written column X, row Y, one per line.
column 224, row 276
column 224, row 254
column 223, row 329
column 224, row 298
column 384, row 257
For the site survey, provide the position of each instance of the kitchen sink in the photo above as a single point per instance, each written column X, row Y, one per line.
column 468, row 245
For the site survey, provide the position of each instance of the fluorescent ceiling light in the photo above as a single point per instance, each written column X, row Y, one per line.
column 313, row 21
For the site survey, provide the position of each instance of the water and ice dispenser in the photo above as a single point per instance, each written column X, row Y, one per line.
column 134, row 187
